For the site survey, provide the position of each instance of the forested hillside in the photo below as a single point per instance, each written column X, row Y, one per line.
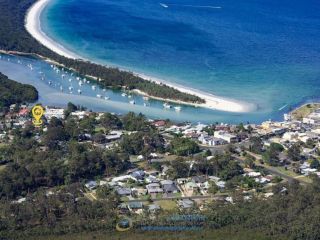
column 14, row 92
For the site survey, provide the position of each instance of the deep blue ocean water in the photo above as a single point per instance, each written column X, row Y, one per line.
column 261, row 51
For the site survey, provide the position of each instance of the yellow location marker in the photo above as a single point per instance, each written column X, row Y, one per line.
column 37, row 112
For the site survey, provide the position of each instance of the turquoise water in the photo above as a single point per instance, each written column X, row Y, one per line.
column 266, row 52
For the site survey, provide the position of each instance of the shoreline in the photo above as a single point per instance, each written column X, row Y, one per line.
column 33, row 26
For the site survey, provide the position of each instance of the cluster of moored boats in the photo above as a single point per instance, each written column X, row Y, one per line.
column 82, row 81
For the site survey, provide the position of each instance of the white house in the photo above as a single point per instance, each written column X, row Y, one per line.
column 54, row 112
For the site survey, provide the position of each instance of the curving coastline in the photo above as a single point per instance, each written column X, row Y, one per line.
column 33, row 26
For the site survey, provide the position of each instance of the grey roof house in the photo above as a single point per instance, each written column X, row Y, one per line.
column 154, row 188
column 123, row 191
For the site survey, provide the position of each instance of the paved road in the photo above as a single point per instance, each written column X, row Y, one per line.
column 271, row 169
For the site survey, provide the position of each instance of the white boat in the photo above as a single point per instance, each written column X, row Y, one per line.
column 70, row 88
column 63, row 75
column 61, row 89
column 106, row 98
column 80, row 83
column 132, row 102
column 123, row 94
column 104, row 89
column 78, row 78
column 163, row 5
column 146, row 98
column 99, row 96
column 166, row 105
column 129, row 96
column 29, row 65
column 178, row 108
column 50, row 82
column 79, row 91
column 145, row 105
column 93, row 87
column 70, row 79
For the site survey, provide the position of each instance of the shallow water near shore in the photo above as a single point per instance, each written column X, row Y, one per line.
column 256, row 51
column 49, row 81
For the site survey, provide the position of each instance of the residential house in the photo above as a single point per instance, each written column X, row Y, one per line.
column 91, row 185
column 138, row 175
column 135, row 207
column 139, row 191
column 181, row 181
column 154, row 188
column 54, row 112
column 226, row 136
column 159, row 123
column 114, row 135
column 152, row 179
column 198, row 180
column 211, row 141
column 191, row 186
column 152, row 208
column 121, row 191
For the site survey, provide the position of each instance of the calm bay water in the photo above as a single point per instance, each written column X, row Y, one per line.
column 49, row 81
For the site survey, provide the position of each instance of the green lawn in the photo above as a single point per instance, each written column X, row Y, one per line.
column 287, row 172
column 124, row 199
column 167, row 204
column 145, row 197
column 304, row 179
column 3, row 144
column 304, row 110
column 2, row 167
column 99, row 129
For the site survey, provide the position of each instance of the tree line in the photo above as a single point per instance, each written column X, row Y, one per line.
column 13, row 92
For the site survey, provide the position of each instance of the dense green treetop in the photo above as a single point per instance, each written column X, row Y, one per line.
column 13, row 92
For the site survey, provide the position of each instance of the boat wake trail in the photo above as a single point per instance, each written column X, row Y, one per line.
column 191, row 6
column 283, row 107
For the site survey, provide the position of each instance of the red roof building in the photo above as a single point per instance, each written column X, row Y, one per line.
column 23, row 112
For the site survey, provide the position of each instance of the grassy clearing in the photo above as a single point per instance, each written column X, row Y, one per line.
column 287, row 172
column 2, row 167
column 304, row 179
column 304, row 110
column 99, row 129
column 167, row 204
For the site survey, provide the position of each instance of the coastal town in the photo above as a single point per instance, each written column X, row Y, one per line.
column 159, row 120
column 180, row 169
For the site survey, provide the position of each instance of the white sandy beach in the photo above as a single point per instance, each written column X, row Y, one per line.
column 33, row 26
